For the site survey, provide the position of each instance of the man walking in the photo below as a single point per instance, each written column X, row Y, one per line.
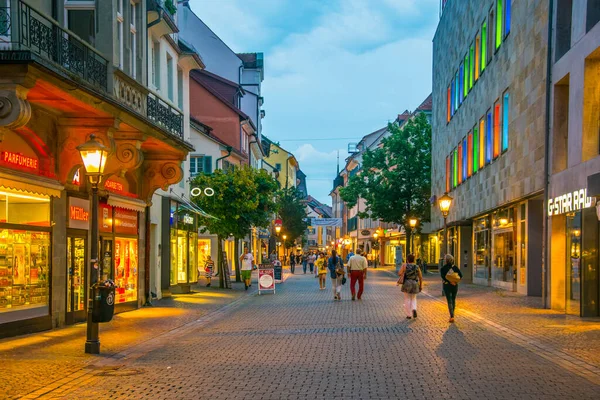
column 357, row 266
column 311, row 262
column 247, row 261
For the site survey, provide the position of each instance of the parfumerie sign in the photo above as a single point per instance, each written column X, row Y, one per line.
column 19, row 160
column 570, row 202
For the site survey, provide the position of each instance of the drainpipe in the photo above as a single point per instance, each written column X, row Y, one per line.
column 228, row 149
column 545, row 237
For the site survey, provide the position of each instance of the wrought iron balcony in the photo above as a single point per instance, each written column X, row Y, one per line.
column 164, row 115
column 23, row 29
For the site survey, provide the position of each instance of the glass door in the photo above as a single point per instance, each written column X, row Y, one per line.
column 574, row 263
column 77, row 279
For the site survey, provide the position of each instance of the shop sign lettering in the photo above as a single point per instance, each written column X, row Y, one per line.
column 19, row 160
column 569, row 202
column 116, row 186
column 79, row 213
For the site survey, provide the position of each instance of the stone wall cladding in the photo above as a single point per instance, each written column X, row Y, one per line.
column 519, row 65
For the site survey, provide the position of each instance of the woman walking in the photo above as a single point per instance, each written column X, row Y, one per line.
column 321, row 264
column 209, row 267
column 412, row 283
column 451, row 275
column 336, row 273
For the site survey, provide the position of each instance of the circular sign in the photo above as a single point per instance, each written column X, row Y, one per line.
column 199, row 192
column 365, row 232
column 110, row 299
column 266, row 281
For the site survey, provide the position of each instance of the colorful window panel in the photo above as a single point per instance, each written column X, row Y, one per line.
column 455, row 167
column 459, row 163
column 477, row 58
column 461, row 85
column 499, row 9
column 475, row 149
column 483, row 45
column 465, row 156
column 482, row 143
column 471, row 66
column 448, row 171
column 497, row 124
column 448, row 106
column 505, row 119
column 507, row 17
column 470, row 154
column 456, row 100
column 488, row 138
column 466, row 68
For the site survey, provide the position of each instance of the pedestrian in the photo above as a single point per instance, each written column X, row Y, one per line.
column 292, row 262
column 322, row 270
column 247, row 261
column 451, row 275
column 209, row 267
column 357, row 266
column 350, row 254
column 304, row 261
column 311, row 262
column 411, row 279
column 336, row 273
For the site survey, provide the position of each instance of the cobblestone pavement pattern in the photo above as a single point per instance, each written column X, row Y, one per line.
column 299, row 344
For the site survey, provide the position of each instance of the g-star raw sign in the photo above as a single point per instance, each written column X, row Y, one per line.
column 569, row 202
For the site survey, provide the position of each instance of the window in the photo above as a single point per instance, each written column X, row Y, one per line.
column 456, row 92
column 448, row 174
column 592, row 15
column 460, row 163
column 488, row 139
column 466, row 68
column 490, row 36
column 81, row 19
column 180, row 88
column 497, row 124
column 505, row 121
column 481, row 155
column 200, row 165
column 471, row 66
column 461, row 85
column 278, row 167
column 499, row 12
column 483, row 45
column 507, row 17
column 448, row 106
column 464, row 158
column 452, row 104
column 470, row 154
column 170, row 72
column 477, row 65
column 475, row 149
column 564, row 13
column 133, row 31
column 156, row 65
column 120, row 31
column 455, row 167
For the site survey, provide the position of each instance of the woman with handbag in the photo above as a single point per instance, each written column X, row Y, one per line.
column 451, row 275
column 336, row 273
column 411, row 279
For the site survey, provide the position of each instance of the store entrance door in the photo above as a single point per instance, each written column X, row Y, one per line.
column 76, row 279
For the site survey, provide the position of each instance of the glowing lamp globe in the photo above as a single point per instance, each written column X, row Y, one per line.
column 93, row 154
column 445, row 202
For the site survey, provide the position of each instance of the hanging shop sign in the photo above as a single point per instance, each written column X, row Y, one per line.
column 188, row 219
column 19, row 160
column 105, row 215
column 79, row 213
column 195, row 192
column 569, row 202
column 326, row 222
column 126, row 221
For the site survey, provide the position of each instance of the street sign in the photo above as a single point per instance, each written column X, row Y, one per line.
column 266, row 278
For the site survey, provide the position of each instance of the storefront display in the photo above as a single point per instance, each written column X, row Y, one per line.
column 504, row 273
column 481, row 244
column 126, row 269
column 76, row 286
column 183, row 237
column 573, row 252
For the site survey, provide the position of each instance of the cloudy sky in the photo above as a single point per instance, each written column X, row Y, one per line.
column 335, row 70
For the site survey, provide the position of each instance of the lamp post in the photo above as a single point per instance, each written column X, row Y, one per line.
column 93, row 154
column 376, row 237
column 284, row 248
column 444, row 203
column 413, row 223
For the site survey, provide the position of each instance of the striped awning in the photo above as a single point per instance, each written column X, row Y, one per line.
column 127, row 203
column 18, row 182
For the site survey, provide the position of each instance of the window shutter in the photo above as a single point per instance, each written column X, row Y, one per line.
column 208, row 164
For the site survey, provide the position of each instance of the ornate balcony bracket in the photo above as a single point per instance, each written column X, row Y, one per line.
column 127, row 156
column 159, row 174
column 15, row 110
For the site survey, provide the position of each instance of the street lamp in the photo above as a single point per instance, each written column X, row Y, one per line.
column 93, row 154
column 376, row 237
column 284, row 248
column 413, row 223
column 444, row 203
column 278, row 229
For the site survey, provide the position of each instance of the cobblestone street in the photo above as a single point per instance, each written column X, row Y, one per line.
column 299, row 344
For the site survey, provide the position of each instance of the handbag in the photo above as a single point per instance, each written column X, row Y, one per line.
column 344, row 280
column 452, row 277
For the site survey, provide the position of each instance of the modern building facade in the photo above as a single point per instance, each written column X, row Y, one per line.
column 572, row 279
column 56, row 93
column 489, row 97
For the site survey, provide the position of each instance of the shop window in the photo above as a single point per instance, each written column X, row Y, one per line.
column 464, row 159
column 483, row 45
column 573, row 252
column 592, row 15
column 126, row 269
column 448, row 105
column 505, row 118
column 499, row 19
column 504, row 246
column 24, row 273
column 497, row 124
column 481, row 155
column 471, row 66
column 470, row 154
column 475, row 149
column 448, row 174
column 24, row 209
column 459, row 163
column 461, row 85
column 507, row 15
column 488, row 139
column 477, row 65
column 481, row 244
column 564, row 12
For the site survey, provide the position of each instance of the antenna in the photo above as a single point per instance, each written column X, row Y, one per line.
column 338, row 162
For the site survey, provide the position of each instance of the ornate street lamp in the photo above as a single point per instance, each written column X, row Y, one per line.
column 413, row 223
column 284, row 248
column 444, row 203
column 278, row 229
column 93, row 154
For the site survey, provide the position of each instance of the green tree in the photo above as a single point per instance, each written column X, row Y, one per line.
column 292, row 211
column 243, row 198
column 395, row 179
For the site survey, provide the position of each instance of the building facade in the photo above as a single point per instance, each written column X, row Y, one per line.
column 574, row 160
column 56, row 93
column 489, row 97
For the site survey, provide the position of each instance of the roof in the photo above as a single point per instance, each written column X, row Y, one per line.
column 320, row 208
column 252, row 60
column 426, row 105
column 208, row 133
column 188, row 49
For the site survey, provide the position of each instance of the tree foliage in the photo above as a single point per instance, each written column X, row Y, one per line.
column 395, row 179
column 292, row 211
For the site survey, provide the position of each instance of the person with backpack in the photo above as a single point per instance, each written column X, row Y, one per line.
column 451, row 275
column 337, row 274
column 411, row 279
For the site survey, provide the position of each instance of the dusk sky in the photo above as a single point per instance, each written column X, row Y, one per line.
column 335, row 70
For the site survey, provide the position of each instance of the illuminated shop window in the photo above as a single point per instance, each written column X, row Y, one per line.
column 481, row 155
column 497, row 124
column 461, row 85
column 452, row 104
column 466, row 68
column 448, row 105
column 505, row 119
column 456, row 83
column 488, row 138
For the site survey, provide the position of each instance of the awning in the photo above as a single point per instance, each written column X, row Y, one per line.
column 126, row 203
column 25, row 183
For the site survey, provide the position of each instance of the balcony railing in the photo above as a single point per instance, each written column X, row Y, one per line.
column 164, row 115
column 23, row 28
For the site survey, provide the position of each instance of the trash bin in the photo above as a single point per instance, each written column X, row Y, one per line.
column 103, row 306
